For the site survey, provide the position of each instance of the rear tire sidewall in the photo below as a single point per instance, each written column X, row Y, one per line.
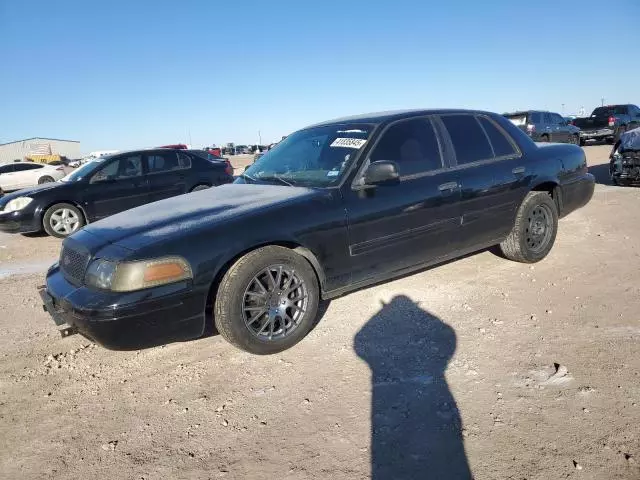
column 544, row 138
column 529, row 255
column 46, row 219
column 199, row 188
column 45, row 179
column 228, row 316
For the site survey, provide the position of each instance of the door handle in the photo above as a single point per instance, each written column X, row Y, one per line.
column 448, row 186
column 518, row 170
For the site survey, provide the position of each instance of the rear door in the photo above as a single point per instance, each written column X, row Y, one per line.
column 27, row 174
column 561, row 127
column 167, row 171
column 491, row 177
column 119, row 185
column 7, row 177
column 407, row 224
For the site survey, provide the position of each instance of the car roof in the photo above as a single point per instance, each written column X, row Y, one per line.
column 388, row 116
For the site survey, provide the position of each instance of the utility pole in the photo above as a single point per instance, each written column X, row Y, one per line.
column 259, row 138
column 602, row 102
column 563, row 109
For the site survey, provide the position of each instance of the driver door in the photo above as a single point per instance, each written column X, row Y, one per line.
column 119, row 185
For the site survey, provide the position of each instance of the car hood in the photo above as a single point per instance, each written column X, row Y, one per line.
column 30, row 192
column 184, row 213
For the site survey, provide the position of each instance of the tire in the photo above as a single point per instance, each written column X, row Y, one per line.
column 242, row 309
column 45, row 179
column 544, row 138
column 523, row 246
column 582, row 142
column 54, row 217
column 197, row 188
column 575, row 139
column 620, row 183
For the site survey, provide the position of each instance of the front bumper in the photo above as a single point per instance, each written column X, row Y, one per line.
column 19, row 222
column 125, row 321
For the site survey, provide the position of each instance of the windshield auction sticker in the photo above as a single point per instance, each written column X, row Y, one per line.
column 348, row 142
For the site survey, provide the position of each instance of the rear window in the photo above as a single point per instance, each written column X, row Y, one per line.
column 502, row 146
column 609, row 111
column 519, row 120
column 469, row 141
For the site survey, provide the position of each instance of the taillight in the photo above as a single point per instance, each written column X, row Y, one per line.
column 612, row 121
column 229, row 169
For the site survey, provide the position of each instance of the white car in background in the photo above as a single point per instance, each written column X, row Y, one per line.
column 17, row 175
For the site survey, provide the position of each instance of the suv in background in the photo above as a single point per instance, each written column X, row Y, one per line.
column 544, row 126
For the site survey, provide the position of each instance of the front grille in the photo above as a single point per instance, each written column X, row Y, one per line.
column 73, row 264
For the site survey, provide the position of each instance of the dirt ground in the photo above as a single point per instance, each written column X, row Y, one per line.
column 510, row 371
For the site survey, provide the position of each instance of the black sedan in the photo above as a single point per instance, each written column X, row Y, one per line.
column 110, row 185
column 337, row 206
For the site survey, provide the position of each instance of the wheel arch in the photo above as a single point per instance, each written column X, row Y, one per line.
column 294, row 246
column 50, row 204
column 553, row 188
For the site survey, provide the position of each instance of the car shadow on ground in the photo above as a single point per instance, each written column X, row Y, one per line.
column 416, row 429
column 601, row 172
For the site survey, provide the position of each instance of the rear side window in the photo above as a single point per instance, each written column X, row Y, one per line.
column 184, row 160
column 21, row 167
column 164, row 162
column 502, row 146
column 6, row 169
column 547, row 118
column 469, row 140
column 535, row 117
column 412, row 144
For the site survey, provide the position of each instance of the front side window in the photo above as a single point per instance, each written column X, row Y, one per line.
column 21, row 167
column 412, row 144
column 469, row 140
column 502, row 146
column 6, row 169
column 120, row 169
column 314, row 157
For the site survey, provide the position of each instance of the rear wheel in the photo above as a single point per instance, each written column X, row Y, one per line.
column 197, row 188
column 575, row 139
column 544, row 138
column 534, row 231
column 62, row 219
column 45, row 179
column 267, row 301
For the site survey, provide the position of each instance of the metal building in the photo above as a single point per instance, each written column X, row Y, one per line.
column 9, row 152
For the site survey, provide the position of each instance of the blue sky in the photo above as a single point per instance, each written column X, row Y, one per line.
column 126, row 74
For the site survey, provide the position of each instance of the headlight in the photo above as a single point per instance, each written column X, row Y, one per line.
column 17, row 204
column 130, row 276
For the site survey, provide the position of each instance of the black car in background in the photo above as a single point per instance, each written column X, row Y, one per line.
column 334, row 207
column 608, row 122
column 109, row 185
column 544, row 126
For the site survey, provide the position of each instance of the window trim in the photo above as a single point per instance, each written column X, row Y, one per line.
column 455, row 166
column 357, row 184
column 150, row 173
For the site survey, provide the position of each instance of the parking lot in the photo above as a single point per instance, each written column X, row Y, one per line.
column 540, row 363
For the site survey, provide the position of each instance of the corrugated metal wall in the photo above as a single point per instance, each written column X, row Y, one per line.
column 18, row 150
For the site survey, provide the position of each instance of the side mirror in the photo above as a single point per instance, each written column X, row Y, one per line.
column 382, row 172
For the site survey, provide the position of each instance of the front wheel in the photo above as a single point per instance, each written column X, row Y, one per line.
column 534, row 231
column 267, row 301
column 62, row 219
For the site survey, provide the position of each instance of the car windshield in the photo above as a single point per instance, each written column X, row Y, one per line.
column 83, row 170
column 314, row 157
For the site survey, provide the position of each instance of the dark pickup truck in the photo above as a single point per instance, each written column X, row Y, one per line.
column 608, row 123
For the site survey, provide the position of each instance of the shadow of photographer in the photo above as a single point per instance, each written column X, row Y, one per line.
column 415, row 424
